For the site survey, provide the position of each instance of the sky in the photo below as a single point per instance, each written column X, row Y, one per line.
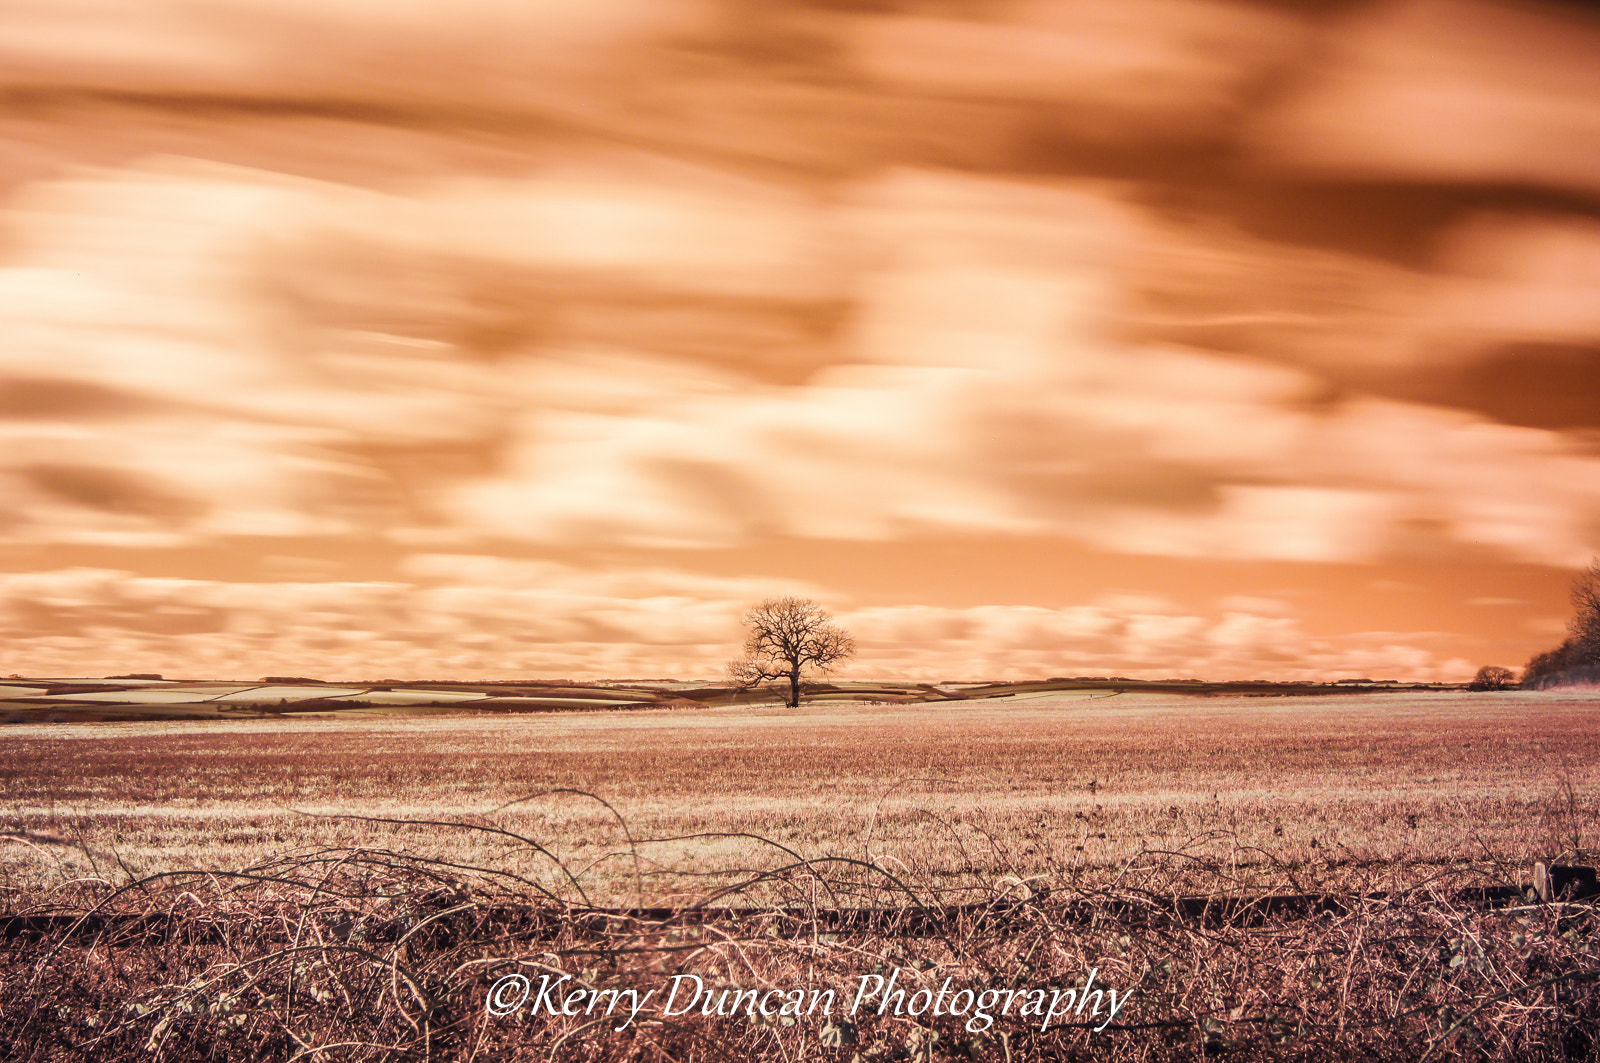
column 420, row 339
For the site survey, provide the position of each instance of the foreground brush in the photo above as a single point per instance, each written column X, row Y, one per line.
column 373, row 955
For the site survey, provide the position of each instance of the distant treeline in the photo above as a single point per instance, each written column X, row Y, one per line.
column 1576, row 662
column 1569, row 664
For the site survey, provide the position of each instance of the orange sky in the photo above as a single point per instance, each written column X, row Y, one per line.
column 420, row 339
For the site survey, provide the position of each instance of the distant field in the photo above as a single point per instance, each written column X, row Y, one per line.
column 144, row 700
column 84, row 700
column 1326, row 791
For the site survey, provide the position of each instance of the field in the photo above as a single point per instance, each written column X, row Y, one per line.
column 1061, row 795
column 1337, row 790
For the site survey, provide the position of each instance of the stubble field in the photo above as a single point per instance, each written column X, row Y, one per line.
column 375, row 888
column 1365, row 791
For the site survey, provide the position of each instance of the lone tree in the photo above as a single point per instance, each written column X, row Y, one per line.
column 789, row 636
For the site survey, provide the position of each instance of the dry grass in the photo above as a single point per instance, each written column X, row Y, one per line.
column 384, row 937
column 1342, row 791
column 359, row 955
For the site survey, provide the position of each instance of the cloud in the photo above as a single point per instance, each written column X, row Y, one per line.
column 985, row 396
column 1127, row 638
column 493, row 618
column 406, row 52
column 1122, row 72
column 1187, row 278
column 1450, row 90
column 1244, row 603
column 659, row 226
column 470, row 615
column 1519, row 278
column 240, row 353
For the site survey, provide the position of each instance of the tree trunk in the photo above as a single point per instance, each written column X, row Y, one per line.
column 794, row 688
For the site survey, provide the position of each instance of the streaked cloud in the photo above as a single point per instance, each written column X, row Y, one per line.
column 1191, row 279
column 1126, row 71
column 472, row 615
column 405, row 53
column 1450, row 90
column 977, row 386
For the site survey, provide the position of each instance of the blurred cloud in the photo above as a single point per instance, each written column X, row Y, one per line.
column 209, row 383
column 1243, row 603
column 1176, row 68
column 467, row 615
column 1529, row 279
column 1185, row 278
column 1021, row 642
column 1450, row 90
column 403, row 52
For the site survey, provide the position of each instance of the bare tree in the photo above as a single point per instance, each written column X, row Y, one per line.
column 1585, row 622
column 789, row 636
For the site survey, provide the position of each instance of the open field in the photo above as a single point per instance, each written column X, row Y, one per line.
column 147, row 698
column 349, row 939
column 1369, row 790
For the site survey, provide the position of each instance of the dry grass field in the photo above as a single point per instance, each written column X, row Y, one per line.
column 209, row 890
column 1331, row 792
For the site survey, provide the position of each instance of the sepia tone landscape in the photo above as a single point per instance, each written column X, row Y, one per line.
column 1085, row 516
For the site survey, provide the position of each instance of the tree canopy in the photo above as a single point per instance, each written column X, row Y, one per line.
column 1493, row 677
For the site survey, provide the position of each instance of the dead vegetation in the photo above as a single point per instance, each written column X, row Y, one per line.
column 1338, row 789
column 382, row 955
column 325, row 891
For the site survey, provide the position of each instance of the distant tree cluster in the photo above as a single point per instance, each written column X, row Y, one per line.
column 1577, row 660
